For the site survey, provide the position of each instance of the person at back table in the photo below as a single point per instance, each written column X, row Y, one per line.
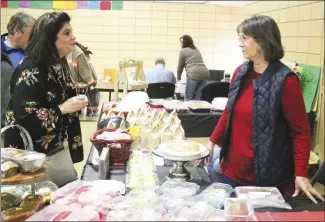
column 197, row 74
column 160, row 73
column 13, row 45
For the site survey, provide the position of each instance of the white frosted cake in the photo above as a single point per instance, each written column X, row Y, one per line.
column 181, row 148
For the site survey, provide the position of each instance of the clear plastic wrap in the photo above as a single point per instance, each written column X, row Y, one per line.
column 196, row 212
column 46, row 189
column 219, row 188
column 141, row 178
column 65, row 213
column 17, row 213
column 28, row 161
column 262, row 196
column 239, row 210
column 167, row 134
column 20, row 191
column 215, row 215
column 179, row 189
column 8, row 169
column 179, row 133
column 215, row 200
column 9, row 200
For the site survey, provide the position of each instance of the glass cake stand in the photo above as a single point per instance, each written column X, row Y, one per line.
column 179, row 171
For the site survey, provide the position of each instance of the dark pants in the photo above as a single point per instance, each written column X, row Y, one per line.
column 229, row 181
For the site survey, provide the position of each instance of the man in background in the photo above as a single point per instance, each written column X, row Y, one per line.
column 13, row 44
column 160, row 73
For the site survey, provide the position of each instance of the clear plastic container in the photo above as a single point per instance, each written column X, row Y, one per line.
column 252, row 192
column 262, row 196
column 215, row 215
column 219, row 188
column 238, row 210
column 65, row 213
column 179, row 189
column 28, row 161
column 216, row 201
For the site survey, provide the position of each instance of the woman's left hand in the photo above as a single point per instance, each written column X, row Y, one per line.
column 303, row 183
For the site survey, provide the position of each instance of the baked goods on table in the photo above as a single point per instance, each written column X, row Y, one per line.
column 181, row 148
column 114, row 136
column 17, row 213
column 8, row 169
column 236, row 209
column 28, row 161
column 34, row 201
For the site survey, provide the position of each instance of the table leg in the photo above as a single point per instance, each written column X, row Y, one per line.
column 109, row 96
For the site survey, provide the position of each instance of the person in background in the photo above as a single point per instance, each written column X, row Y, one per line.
column 13, row 45
column 197, row 74
column 83, row 72
column 160, row 73
column 44, row 101
column 264, row 131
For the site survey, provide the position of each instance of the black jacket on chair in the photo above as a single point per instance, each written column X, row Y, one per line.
column 161, row 90
column 215, row 89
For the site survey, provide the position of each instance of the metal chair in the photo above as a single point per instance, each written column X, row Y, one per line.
column 161, row 90
column 215, row 89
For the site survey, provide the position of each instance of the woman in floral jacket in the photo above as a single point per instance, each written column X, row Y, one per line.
column 44, row 99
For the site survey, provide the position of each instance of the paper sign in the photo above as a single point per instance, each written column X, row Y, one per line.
column 70, row 5
column 13, row 4
column 117, row 5
column 310, row 81
column 57, row 4
column 105, row 5
column 93, row 4
column 24, row 4
column 4, row 3
column 41, row 4
column 82, row 4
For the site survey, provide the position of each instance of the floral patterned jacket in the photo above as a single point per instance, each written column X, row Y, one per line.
column 36, row 94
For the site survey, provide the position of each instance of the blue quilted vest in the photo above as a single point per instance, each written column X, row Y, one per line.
column 272, row 142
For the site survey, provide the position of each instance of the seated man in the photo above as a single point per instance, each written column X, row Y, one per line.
column 159, row 73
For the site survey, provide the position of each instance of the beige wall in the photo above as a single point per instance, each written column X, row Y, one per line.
column 145, row 30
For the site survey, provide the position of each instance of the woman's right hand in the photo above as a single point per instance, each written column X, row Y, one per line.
column 74, row 104
column 209, row 158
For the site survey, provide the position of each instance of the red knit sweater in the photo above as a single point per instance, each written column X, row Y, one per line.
column 238, row 165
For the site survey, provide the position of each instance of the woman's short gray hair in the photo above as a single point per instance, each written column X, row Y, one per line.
column 20, row 20
column 266, row 33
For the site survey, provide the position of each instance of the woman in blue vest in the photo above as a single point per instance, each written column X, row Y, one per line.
column 264, row 130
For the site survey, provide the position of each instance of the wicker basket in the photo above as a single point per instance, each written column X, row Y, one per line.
column 119, row 149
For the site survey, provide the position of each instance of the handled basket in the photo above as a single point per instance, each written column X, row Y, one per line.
column 27, row 140
column 25, row 164
column 119, row 149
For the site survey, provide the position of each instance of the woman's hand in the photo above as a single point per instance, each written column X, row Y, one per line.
column 303, row 183
column 209, row 158
column 74, row 104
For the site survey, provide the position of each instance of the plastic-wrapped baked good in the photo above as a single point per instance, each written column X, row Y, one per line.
column 28, row 161
column 17, row 213
column 238, row 209
column 8, row 169
column 20, row 191
column 46, row 190
column 34, row 201
column 9, row 200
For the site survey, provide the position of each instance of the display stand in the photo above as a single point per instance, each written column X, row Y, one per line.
column 122, row 79
column 179, row 171
column 24, row 179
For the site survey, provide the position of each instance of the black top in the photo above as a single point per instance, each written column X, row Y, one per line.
column 35, row 95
